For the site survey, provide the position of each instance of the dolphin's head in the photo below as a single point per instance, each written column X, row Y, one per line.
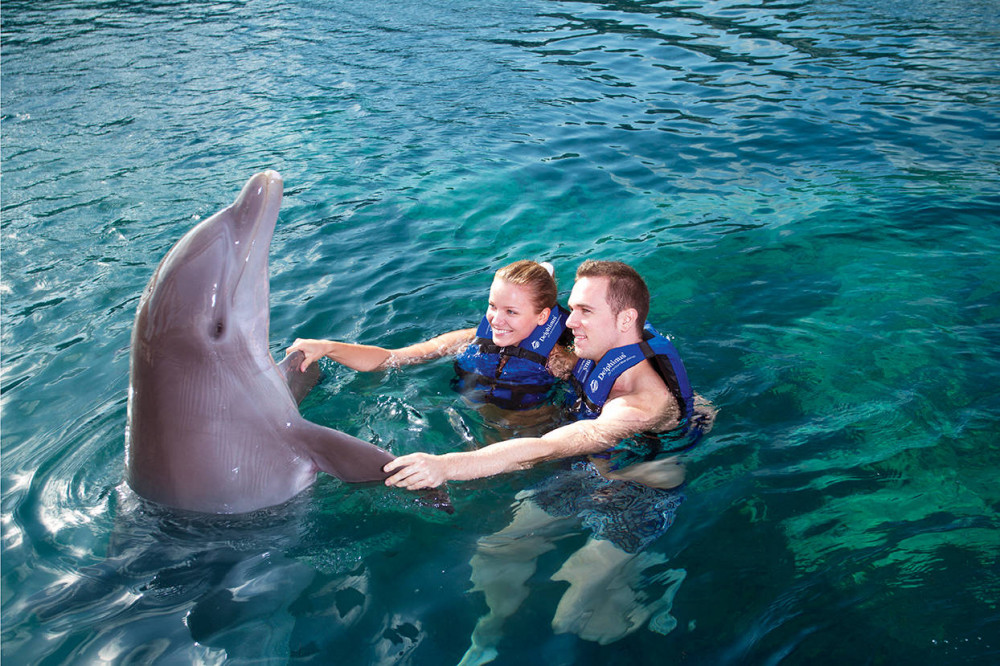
column 213, row 285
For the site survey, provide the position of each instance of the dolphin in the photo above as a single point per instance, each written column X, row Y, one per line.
column 213, row 422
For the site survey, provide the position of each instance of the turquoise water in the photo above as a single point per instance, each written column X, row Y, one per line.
column 810, row 188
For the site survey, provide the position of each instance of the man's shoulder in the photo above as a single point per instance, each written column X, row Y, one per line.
column 644, row 390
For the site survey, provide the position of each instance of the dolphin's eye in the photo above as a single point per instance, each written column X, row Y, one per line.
column 218, row 329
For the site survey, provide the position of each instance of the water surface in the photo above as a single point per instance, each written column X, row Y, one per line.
column 810, row 189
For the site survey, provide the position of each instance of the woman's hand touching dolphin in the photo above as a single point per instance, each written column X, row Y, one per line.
column 314, row 350
column 364, row 358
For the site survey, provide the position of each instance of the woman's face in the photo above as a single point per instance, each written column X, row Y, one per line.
column 512, row 313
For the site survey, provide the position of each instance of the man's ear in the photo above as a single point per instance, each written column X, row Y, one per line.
column 627, row 319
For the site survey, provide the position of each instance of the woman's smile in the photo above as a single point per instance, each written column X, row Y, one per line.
column 511, row 313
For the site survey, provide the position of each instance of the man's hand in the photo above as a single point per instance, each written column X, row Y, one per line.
column 416, row 471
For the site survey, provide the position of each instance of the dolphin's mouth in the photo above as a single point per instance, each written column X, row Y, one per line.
column 254, row 215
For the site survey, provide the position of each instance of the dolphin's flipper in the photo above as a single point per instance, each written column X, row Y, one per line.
column 354, row 460
column 338, row 454
column 299, row 382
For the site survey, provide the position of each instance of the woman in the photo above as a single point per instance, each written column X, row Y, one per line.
column 512, row 360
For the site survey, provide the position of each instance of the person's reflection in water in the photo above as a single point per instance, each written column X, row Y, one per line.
column 615, row 584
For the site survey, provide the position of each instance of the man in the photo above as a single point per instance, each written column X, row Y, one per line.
column 627, row 506
column 608, row 308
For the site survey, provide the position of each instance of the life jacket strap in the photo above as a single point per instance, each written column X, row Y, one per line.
column 666, row 373
column 491, row 383
column 583, row 400
column 487, row 346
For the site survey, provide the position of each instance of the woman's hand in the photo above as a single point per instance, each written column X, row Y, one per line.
column 313, row 349
column 416, row 471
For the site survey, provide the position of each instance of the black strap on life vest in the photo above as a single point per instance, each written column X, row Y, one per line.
column 487, row 346
column 666, row 372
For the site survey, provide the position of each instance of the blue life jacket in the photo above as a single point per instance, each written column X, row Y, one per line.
column 513, row 377
column 593, row 381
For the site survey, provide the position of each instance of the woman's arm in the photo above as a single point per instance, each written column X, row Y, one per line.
column 366, row 358
column 358, row 357
column 443, row 345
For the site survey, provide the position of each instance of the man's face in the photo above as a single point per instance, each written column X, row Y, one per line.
column 591, row 320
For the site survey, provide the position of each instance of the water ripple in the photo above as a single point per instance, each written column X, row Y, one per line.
column 810, row 189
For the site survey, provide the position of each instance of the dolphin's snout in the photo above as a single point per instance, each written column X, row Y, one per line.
column 263, row 183
column 255, row 211
column 263, row 186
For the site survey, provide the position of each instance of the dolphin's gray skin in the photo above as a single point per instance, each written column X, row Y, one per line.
column 213, row 422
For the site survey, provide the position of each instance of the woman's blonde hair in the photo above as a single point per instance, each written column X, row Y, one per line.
column 536, row 277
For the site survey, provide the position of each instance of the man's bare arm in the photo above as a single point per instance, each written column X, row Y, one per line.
column 618, row 420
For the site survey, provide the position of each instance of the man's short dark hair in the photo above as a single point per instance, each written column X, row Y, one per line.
column 626, row 288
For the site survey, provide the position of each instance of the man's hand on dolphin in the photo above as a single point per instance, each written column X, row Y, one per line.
column 416, row 471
